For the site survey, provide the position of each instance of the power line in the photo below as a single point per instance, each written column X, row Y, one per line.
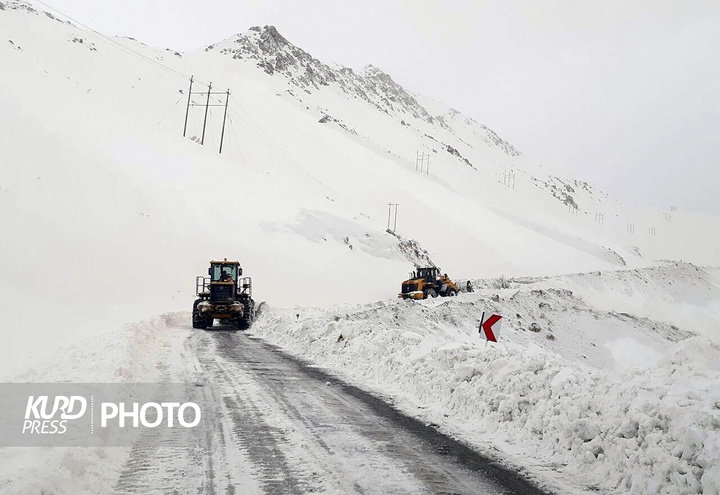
column 237, row 141
column 114, row 43
column 264, row 136
column 167, row 114
column 119, row 45
column 212, row 130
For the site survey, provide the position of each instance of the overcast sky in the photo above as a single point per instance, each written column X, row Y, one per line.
column 624, row 94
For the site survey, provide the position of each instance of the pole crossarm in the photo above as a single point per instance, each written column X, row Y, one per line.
column 207, row 106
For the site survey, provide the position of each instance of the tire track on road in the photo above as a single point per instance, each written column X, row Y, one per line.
column 325, row 435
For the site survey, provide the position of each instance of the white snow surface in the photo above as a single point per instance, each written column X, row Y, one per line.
column 137, row 353
column 107, row 214
column 593, row 401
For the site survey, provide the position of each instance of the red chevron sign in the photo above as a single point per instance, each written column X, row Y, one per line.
column 490, row 327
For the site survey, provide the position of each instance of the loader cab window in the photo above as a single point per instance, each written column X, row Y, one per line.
column 426, row 273
column 223, row 273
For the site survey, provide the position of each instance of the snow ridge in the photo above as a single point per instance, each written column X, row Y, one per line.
column 274, row 54
column 593, row 401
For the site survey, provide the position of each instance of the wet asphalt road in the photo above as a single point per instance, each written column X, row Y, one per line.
column 278, row 425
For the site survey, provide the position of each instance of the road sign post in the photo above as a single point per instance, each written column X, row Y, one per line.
column 489, row 328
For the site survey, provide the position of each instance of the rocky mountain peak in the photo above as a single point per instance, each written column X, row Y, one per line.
column 373, row 71
column 269, row 38
column 275, row 55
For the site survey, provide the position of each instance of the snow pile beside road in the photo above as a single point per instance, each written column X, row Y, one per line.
column 140, row 353
column 136, row 353
column 565, row 407
column 60, row 470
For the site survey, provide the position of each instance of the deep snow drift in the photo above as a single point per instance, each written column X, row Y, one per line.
column 586, row 399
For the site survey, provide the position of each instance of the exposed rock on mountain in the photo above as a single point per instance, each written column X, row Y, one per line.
column 274, row 54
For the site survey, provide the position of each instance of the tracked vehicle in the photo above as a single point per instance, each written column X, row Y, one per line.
column 224, row 295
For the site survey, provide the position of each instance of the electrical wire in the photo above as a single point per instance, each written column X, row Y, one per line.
column 115, row 43
column 211, row 133
column 268, row 140
column 120, row 46
column 255, row 126
column 237, row 140
column 173, row 108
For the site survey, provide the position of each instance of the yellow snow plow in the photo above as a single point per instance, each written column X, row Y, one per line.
column 428, row 282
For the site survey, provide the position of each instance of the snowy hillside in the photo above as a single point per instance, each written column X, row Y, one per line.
column 99, row 189
column 107, row 214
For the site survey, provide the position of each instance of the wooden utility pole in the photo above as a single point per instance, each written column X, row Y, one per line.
column 187, row 110
column 390, row 216
column 422, row 160
column 207, row 107
column 222, row 134
column 509, row 178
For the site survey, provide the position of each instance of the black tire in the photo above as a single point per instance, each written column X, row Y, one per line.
column 198, row 320
column 246, row 321
column 243, row 323
column 248, row 314
column 431, row 293
column 450, row 293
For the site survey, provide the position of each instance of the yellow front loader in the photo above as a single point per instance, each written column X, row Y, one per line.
column 428, row 282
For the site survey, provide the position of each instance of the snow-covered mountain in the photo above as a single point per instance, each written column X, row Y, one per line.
column 107, row 213
column 274, row 54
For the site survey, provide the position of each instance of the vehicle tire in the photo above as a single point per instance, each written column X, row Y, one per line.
column 245, row 322
column 450, row 293
column 198, row 321
column 209, row 322
column 249, row 315
column 431, row 293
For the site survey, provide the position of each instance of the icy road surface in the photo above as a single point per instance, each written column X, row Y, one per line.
column 282, row 426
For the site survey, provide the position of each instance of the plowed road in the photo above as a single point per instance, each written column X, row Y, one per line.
column 278, row 425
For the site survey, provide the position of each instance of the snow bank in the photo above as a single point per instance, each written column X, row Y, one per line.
column 140, row 353
column 577, row 418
